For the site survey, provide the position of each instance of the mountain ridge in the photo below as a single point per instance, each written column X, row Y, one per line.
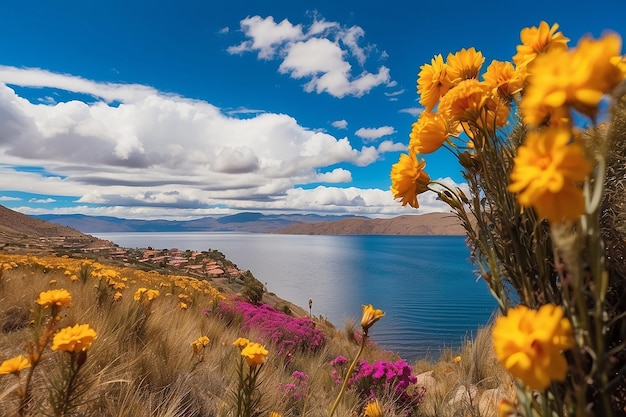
column 252, row 222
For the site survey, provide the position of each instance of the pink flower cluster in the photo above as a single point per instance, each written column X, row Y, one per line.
column 289, row 334
column 297, row 388
column 374, row 379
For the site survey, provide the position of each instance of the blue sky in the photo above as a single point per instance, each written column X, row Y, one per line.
column 154, row 109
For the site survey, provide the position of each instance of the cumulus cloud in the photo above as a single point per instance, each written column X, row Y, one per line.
column 321, row 54
column 136, row 150
column 8, row 198
column 371, row 134
column 340, row 124
column 266, row 35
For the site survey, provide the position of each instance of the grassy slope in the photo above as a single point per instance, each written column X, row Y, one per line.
column 143, row 365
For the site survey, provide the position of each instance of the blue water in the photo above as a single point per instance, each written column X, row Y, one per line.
column 425, row 284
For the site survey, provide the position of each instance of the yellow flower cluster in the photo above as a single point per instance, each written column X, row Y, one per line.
column 199, row 344
column 551, row 164
column 118, row 278
column 530, row 344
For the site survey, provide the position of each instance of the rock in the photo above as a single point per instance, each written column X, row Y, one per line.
column 426, row 380
column 463, row 397
column 489, row 400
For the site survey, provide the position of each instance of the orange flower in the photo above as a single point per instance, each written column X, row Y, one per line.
column 530, row 344
column 14, row 365
column 408, row 179
column 578, row 79
column 254, row 354
column 548, row 168
column 373, row 409
column 241, row 342
column 464, row 65
column 432, row 82
column 465, row 102
column 199, row 344
column 370, row 316
column 59, row 298
column 74, row 339
column 502, row 77
column 537, row 40
column 428, row 133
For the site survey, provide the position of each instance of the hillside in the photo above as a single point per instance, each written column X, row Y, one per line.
column 21, row 232
column 424, row 224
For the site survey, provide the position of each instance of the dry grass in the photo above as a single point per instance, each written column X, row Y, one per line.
column 143, row 364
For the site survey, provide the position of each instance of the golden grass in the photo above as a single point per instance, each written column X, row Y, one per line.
column 142, row 362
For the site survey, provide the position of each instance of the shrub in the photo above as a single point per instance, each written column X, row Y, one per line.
column 289, row 334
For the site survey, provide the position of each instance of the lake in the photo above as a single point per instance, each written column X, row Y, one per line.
column 425, row 284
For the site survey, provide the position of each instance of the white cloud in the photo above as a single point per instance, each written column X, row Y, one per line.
column 413, row 111
column 7, row 198
column 320, row 54
column 337, row 175
column 152, row 151
column 394, row 93
column 236, row 160
column 340, row 124
column 371, row 134
column 266, row 35
column 42, row 200
column 389, row 146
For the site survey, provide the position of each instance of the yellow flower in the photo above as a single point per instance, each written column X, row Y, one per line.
column 275, row 414
column 465, row 102
column 408, row 179
column 502, row 77
column 14, row 365
column 548, row 168
column 507, row 409
column 370, row 316
column 73, row 339
column 241, row 342
column 537, row 40
column 432, row 82
column 457, row 359
column 529, row 344
column 200, row 343
column 152, row 294
column 428, row 133
column 577, row 79
column 373, row 409
column 254, row 354
column 117, row 296
column 60, row 298
column 464, row 65
column 139, row 293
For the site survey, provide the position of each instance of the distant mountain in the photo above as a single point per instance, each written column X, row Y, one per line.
column 242, row 222
column 423, row 224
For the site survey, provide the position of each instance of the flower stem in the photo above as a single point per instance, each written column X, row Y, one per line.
column 349, row 374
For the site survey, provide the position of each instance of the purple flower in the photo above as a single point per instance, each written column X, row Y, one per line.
column 339, row 360
column 289, row 334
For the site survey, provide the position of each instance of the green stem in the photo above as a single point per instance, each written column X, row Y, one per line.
column 349, row 374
